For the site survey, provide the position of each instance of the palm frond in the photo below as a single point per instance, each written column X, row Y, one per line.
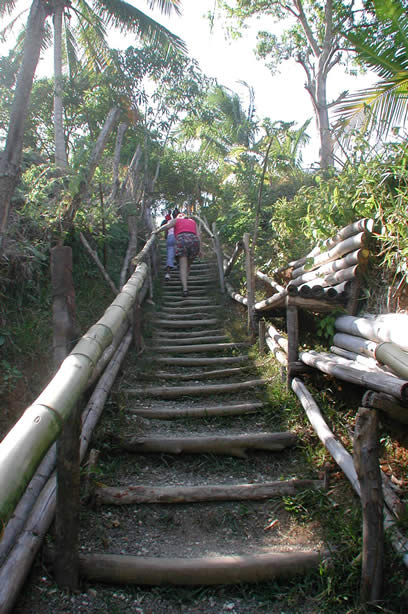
column 7, row 7
column 387, row 101
column 128, row 18
column 166, row 6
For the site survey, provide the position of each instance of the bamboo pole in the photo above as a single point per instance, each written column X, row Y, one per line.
column 356, row 374
column 340, row 249
column 20, row 558
column 351, row 259
column 355, row 344
column 23, row 448
column 234, row 295
column 276, row 301
column 235, row 255
column 387, row 327
column 277, row 287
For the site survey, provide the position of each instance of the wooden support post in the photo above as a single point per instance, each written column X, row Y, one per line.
column 261, row 332
column 63, row 306
column 365, row 455
column 137, row 325
column 220, row 257
column 292, row 323
column 68, row 503
column 250, row 275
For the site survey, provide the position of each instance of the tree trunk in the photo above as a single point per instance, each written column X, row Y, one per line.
column 10, row 158
column 61, row 160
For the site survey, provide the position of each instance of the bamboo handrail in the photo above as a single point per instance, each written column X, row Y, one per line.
column 22, row 450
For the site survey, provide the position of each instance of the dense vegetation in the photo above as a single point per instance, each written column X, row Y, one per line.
column 195, row 146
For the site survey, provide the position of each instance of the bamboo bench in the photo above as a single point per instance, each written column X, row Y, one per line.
column 327, row 278
column 371, row 351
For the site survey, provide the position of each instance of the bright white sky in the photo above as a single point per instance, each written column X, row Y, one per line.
column 280, row 97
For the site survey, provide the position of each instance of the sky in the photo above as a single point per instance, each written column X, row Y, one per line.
column 280, row 97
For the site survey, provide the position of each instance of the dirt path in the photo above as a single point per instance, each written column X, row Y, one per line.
column 190, row 420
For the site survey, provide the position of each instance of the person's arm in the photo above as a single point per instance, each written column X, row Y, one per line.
column 169, row 224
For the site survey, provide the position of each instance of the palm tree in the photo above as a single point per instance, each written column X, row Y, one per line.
column 88, row 32
column 384, row 105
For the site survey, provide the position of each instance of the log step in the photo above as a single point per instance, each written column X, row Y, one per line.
column 122, row 569
column 132, row 494
column 158, row 333
column 214, row 374
column 194, row 349
column 173, row 392
column 194, row 340
column 183, row 316
column 225, row 445
column 197, row 411
column 185, row 323
column 180, row 361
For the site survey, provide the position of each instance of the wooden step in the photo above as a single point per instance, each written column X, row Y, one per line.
column 198, row 348
column 180, row 361
column 129, row 495
column 226, row 445
column 195, row 411
column 185, row 323
column 191, row 340
column 210, row 570
column 209, row 332
column 174, row 392
column 198, row 375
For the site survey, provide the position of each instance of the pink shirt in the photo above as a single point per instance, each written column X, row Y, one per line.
column 185, row 224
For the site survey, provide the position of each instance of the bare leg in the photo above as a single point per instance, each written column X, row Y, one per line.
column 184, row 268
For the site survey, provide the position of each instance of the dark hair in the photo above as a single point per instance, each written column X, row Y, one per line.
column 176, row 212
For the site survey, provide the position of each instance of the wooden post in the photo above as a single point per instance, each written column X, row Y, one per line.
column 292, row 323
column 261, row 331
column 63, row 306
column 365, row 455
column 250, row 275
column 68, row 503
column 137, row 325
column 220, row 258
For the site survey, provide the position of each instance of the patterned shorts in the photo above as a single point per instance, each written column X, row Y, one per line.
column 187, row 244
